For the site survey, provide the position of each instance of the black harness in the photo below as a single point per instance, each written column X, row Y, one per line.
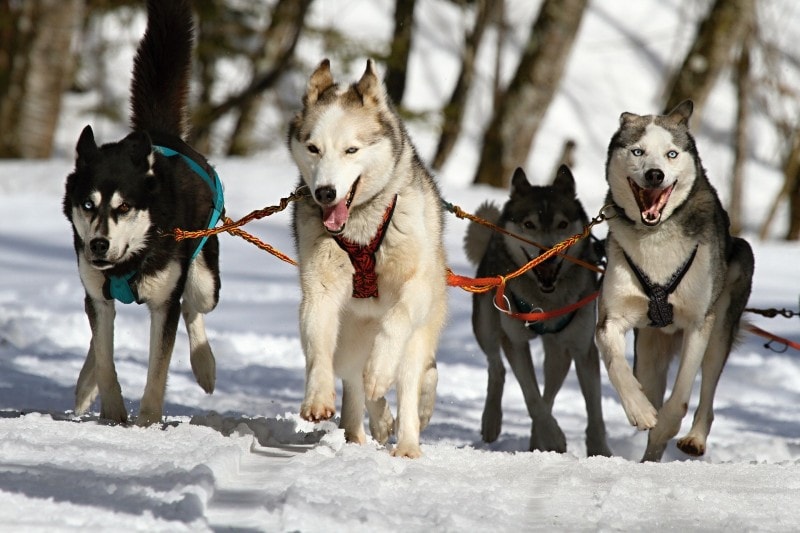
column 659, row 310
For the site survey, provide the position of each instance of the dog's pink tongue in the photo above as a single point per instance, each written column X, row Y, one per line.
column 334, row 217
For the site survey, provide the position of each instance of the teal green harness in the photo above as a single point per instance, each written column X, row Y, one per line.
column 123, row 288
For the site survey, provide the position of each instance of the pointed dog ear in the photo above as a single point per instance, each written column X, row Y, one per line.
column 369, row 87
column 564, row 181
column 519, row 182
column 86, row 149
column 321, row 79
column 682, row 113
column 626, row 118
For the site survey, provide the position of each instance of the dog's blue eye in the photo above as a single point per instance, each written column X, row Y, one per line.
column 638, row 152
column 313, row 149
column 88, row 205
column 672, row 154
column 351, row 150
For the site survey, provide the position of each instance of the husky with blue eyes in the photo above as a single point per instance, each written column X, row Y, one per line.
column 675, row 276
column 123, row 200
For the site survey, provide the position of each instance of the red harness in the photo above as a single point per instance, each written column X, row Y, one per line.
column 365, row 279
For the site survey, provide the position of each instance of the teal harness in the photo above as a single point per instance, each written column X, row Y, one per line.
column 123, row 288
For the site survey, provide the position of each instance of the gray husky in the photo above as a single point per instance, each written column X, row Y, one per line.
column 545, row 215
column 371, row 258
column 675, row 276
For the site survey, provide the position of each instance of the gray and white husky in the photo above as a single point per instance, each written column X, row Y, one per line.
column 675, row 276
column 371, row 259
column 123, row 199
column 545, row 215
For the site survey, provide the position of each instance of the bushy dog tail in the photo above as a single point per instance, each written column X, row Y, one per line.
column 161, row 69
column 477, row 238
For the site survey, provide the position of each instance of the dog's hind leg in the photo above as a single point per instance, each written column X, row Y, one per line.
column 86, row 390
column 200, row 296
column 163, row 326
column 412, row 373
column 353, row 410
column 204, row 367
column 486, row 326
column 652, row 353
column 101, row 315
column 729, row 308
column 427, row 398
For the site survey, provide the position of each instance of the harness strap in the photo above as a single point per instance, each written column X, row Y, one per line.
column 659, row 309
column 123, row 288
column 539, row 327
column 362, row 257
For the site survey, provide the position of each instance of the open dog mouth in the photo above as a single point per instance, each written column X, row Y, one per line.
column 651, row 202
column 335, row 216
column 546, row 272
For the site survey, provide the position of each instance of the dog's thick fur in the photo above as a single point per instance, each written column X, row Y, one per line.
column 355, row 156
column 545, row 215
column 121, row 199
column 673, row 229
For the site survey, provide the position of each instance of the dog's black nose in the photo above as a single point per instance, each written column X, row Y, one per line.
column 654, row 177
column 99, row 247
column 325, row 195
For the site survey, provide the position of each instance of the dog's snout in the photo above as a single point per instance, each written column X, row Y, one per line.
column 654, row 177
column 99, row 247
column 325, row 195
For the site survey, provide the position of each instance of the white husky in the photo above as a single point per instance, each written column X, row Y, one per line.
column 675, row 275
column 372, row 263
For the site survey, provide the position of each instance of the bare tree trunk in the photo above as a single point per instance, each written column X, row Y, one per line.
column 502, row 34
column 743, row 86
column 397, row 62
column 40, row 67
column 791, row 177
column 717, row 36
column 280, row 39
column 508, row 139
column 453, row 112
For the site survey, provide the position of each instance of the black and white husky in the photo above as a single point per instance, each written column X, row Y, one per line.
column 123, row 200
column 545, row 215
column 675, row 276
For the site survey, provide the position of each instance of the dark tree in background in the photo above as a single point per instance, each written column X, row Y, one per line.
column 397, row 62
column 510, row 134
column 453, row 111
column 36, row 67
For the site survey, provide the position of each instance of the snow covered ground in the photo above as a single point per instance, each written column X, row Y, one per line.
column 242, row 459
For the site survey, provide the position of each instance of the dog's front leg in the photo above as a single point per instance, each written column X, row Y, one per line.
column 163, row 326
column 610, row 337
column 318, row 336
column 101, row 314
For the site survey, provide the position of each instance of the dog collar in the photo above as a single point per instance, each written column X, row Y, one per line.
column 539, row 327
column 365, row 279
column 659, row 310
column 123, row 288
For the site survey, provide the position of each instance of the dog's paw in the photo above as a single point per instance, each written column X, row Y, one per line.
column 411, row 450
column 147, row 418
column 113, row 411
column 204, row 368
column 692, row 445
column 382, row 428
column 639, row 410
column 546, row 436
column 316, row 409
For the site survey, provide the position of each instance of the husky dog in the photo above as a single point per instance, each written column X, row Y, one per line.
column 372, row 262
column 122, row 198
column 544, row 215
column 675, row 276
